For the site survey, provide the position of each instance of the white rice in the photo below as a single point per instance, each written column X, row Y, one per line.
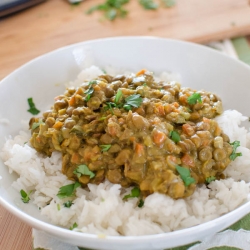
column 102, row 210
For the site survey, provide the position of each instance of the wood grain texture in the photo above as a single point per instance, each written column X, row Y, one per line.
column 14, row 234
column 55, row 23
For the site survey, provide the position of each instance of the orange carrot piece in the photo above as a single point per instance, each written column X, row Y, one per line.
column 159, row 109
column 159, row 137
column 58, row 125
column 141, row 72
column 188, row 160
column 188, row 129
column 176, row 104
column 139, row 149
column 206, row 120
column 72, row 101
column 75, row 158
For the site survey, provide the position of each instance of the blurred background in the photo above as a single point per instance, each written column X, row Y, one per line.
column 51, row 24
column 30, row 28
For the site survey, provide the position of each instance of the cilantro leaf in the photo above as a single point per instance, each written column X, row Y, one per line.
column 210, row 179
column 135, row 192
column 118, row 96
column 58, row 207
column 132, row 101
column 194, row 98
column 37, row 124
column 25, row 196
column 111, row 8
column 68, row 190
column 141, row 203
column 68, row 204
column 92, row 82
column 83, row 170
column 185, row 175
column 88, row 93
column 33, row 110
column 174, row 135
column 105, row 148
column 234, row 155
column 149, row 4
column 75, row 225
column 169, row 3
column 110, row 106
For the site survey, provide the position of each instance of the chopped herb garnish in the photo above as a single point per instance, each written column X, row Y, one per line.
column 58, row 207
column 92, row 82
column 102, row 118
column 141, row 203
column 68, row 190
column 210, row 179
column 37, row 124
column 194, row 98
column 88, row 93
column 105, row 148
column 83, row 170
column 25, row 196
column 174, row 135
column 111, row 8
column 110, row 106
column 68, row 204
column 169, row 3
column 132, row 101
column 135, row 192
column 33, row 110
column 144, row 84
column 185, row 175
column 149, row 4
column 74, row 226
column 118, row 96
column 234, row 155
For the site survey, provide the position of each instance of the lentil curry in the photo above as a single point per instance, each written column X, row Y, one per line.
column 136, row 131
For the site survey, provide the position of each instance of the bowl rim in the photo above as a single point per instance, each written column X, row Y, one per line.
column 245, row 208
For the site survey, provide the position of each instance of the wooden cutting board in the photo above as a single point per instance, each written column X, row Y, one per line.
column 55, row 23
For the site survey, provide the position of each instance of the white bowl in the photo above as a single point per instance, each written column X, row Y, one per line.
column 200, row 68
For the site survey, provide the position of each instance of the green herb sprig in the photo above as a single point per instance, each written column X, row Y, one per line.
column 25, row 197
column 83, row 170
column 169, row 3
column 134, row 100
column 37, row 124
column 75, row 225
column 68, row 190
column 185, row 175
column 174, row 135
column 33, row 110
column 194, row 98
column 234, row 155
column 135, row 192
column 111, row 9
column 210, row 179
column 148, row 4
column 68, row 204
column 88, row 93
column 105, row 148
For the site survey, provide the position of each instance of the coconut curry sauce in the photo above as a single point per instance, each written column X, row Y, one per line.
column 135, row 131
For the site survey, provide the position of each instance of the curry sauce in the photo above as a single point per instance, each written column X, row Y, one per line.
column 135, row 131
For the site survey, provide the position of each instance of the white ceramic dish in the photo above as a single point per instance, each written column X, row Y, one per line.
column 42, row 78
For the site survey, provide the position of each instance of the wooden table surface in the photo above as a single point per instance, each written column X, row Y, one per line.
column 55, row 23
